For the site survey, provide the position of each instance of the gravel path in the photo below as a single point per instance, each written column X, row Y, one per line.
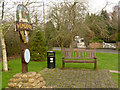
column 78, row 78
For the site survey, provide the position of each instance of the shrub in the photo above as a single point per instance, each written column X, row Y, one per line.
column 12, row 41
column 118, row 37
column 96, row 40
column 38, row 47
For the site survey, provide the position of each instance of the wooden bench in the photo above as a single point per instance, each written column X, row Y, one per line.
column 82, row 56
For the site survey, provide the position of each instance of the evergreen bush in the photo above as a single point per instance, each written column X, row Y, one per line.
column 96, row 40
column 38, row 47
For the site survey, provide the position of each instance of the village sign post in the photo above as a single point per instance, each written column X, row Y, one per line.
column 23, row 25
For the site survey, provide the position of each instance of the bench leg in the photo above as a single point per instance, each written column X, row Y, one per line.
column 63, row 64
column 95, row 64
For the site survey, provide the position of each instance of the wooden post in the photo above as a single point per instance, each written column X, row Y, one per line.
column 23, row 26
column 95, row 63
column 23, row 47
column 63, row 62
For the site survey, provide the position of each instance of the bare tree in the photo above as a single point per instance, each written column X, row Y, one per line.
column 8, row 22
column 68, row 18
column 5, row 66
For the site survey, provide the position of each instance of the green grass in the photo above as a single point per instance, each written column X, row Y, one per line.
column 15, row 66
column 104, row 61
column 116, row 77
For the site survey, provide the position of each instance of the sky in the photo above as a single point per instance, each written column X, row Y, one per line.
column 94, row 5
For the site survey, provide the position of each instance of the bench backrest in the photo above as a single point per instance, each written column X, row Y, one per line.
column 79, row 53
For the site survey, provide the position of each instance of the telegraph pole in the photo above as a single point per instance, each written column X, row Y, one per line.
column 44, row 18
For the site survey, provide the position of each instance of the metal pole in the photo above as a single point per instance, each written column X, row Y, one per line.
column 44, row 18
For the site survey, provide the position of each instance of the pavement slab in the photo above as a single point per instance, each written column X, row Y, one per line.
column 78, row 78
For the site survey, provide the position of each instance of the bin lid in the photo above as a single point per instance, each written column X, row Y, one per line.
column 50, row 51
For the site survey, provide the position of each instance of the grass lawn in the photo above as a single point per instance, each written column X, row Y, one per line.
column 104, row 61
column 115, row 76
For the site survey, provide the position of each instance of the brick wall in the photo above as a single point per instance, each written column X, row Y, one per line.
column 96, row 45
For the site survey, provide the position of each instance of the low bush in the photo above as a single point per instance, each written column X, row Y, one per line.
column 96, row 40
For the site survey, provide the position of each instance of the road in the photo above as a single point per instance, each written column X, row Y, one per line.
column 97, row 50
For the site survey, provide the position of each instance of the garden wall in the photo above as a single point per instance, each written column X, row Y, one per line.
column 96, row 45
column 119, row 44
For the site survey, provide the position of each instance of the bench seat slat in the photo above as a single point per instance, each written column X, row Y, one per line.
column 79, row 61
column 81, row 56
column 78, row 57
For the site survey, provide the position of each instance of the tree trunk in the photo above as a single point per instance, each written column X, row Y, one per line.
column 4, row 55
column 71, row 44
column 117, row 45
column 61, row 47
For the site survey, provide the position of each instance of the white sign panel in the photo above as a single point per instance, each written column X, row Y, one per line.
column 27, row 55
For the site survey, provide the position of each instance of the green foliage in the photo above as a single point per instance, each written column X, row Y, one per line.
column 38, row 47
column 118, row 37
column 97, row 39
column 12, row 41
column 17, row 16
column 104, row 14
column 28, row 16
column 50, row 34
column 97, row 24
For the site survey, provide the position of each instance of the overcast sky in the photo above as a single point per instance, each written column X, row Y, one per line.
column 94, row 5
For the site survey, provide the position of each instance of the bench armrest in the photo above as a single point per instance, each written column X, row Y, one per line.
column 63, row 57
column 95, row 57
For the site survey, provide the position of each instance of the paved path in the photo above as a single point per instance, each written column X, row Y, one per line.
column 114, row 71
column 78, row 78
column 97, row 50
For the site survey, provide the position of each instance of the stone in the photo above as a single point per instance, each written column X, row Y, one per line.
column 36, row 82
column 43, row 86
column 17, row 75
column 33, row 85
column 31, row 80
column 12, row 80
column 49, row 87
column 38, row 75
column 24, row 76
column 41, row 79
column 25, row 80
column 15, row 84
column 26, row 85
column 43, row 83
column 39, row 85
column 18, row 80
column 15, row 80
column 11, row 84
column 31, row 74
column 19, row 84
